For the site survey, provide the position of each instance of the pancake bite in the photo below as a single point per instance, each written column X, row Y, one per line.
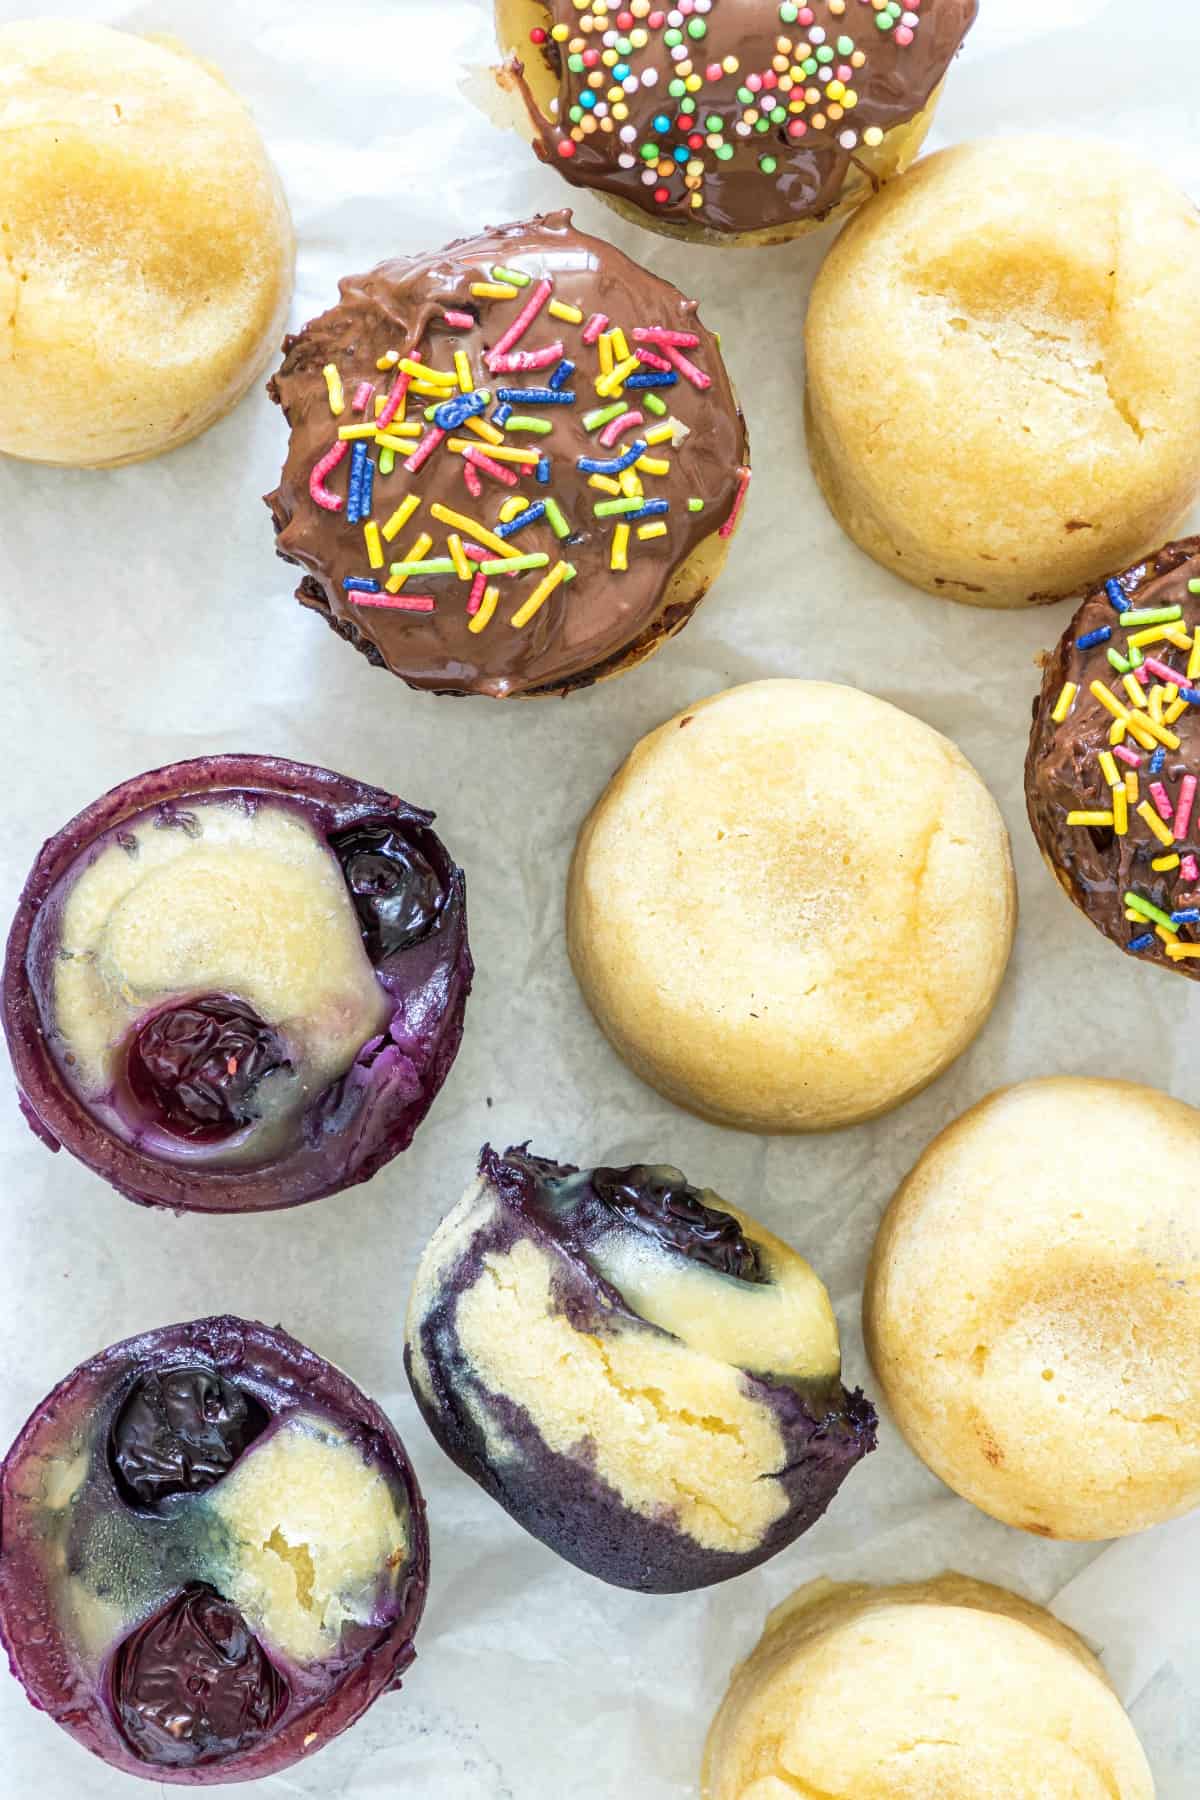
column 729, row 121
column 1033, row 1311
column 1003, row 403
column 792, row 907
column 213, row 1554
column 147, row 252
column 1114, row 759
column 237, row 983
column 935, row 1690
column 515, row 464
column 643, row 1376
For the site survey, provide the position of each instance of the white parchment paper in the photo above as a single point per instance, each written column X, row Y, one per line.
column 146, row 618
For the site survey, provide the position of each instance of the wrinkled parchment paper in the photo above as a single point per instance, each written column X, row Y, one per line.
column 168, row 630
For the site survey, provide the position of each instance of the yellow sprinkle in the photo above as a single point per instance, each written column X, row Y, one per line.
column 1175, row 711
column 1178, row 952
column 1156, row 703
column 514, row 505
column 620, row 347
column 374, row 547
column 419, row 548
column 541, row 593
column 605, row 483
column 1193, row 668
column 350, row 432
column 604, row 348
column 1108, row 764
column 462, row 368
column 1107, row 698
column 656, row 528
column 608, row 385
column 631, row 485
column 462, row 567
column 500, row 452
column 653, row 465
column 1162, row 832
column 1162, row 864
column 422, row 372
column 483, row 428
column 1134, row 917
column 620, row 548
column 664, row 434
column 487, row 607
column 493, row 290
column 1167, row 937
column 1153, row 634
column 1175, row 634
column 1157, row 734
column 434, row 390
column 388, row 360
column 1132, row 787
column 478, row 534
column 1133, row 688
column 398, row 437
column 337, row 393
column 559, row 309
column 1116, row 732
column 1089, row 818
column 1120, row 811
column 401, row 516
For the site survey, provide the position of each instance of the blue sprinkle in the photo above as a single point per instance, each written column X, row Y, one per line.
column 587, row 99
column 1157, row 761
column 615, row 465
column 502, row 415
column 682, row 154
column 358, row 475
column 653, row 509
column 453, row 413
column 368, row 487
column 562, row 375
column 662, row 124
column 1191, row 695
column 530, row 517
column 543, row 471
column 537, row 396
column 1117, row 597
column 620, row 72
column 1100, row 636
column 651, row 378
column 1190, row 917
column 1138, row 944
column 357, row 584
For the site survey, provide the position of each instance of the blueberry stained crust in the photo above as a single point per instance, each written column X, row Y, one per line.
column 213, row 1553
column 237, row 983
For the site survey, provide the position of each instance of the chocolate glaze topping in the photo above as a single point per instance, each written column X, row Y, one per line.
column 1099, row 866
column 763, row 135
column 429, row 309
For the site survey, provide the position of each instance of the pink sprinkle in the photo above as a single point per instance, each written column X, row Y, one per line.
column 688, row 369
column 478, row 590
column 401, row 602
column 739, row 500
column 496, row 470
column 424, row 450
column 1183, row 812
column 362, row 396
column 521, row 362
column 395, row 401
column 754, row 83
column 651, row 360
column 1127, row 755
column 1162, row 801
column 904, row 34
column 612, row 432
column 658, row 334
column 1190, row 869
column 316, row 481
column 474, row 485
column 459, row 321
column 476, row 552
column 595, row 325
column 522, row 322
column 1142, row 674
column 1162, row 671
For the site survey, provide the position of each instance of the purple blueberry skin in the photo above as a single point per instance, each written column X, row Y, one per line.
column 355, row 1127
column 319, row 1702
column 557, row 1498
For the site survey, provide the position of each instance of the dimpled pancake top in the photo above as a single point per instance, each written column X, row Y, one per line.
column 1114, row 759
column 731, row 115
column 938, row 1690
column 215, row 1553
column 514, row 465
column 1003, row 395
column 1034, row 1312
column 792, row 907
column 145, row 246
column 643, row 1376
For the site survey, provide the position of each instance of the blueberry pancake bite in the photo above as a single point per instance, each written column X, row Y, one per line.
column 1114, row 759
column 213, row 1555
column 644, row 1377
column 515, row 463
column 237, row 983
column 729, row 121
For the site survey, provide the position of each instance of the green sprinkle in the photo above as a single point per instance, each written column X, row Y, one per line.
column 845, row 46
column 763, row 124
column 767, row 164
column 677, row 89
column 541, row 426
column 824, row 54
column 688, row 105
column 387, row 461
column 510, row 565
column 697, row 28
column 650, row 152
column 789, row 13
column 743, row 94
column 779, row 115
column 1136, row 659
column 672, row 38
column 653, row 404
column 440, row 565
column 1118, row 662
column 1135, row 903
column 575, row 64
column 1158, row 615
column 723, row 152
column 514, row 277
column 558, row 523
column 601, row 416
column 608, row 509
column 575, row 115
column 1194, row 587
column 809, row 65
column 714, row 122
column 571, row 571
column 695, row 505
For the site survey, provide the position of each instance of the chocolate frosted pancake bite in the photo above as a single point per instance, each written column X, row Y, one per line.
column 213, row 1553
column 644, row 1377
column 237, row 983
column 515, row 463
column 1114, row 759
column 729, row 121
